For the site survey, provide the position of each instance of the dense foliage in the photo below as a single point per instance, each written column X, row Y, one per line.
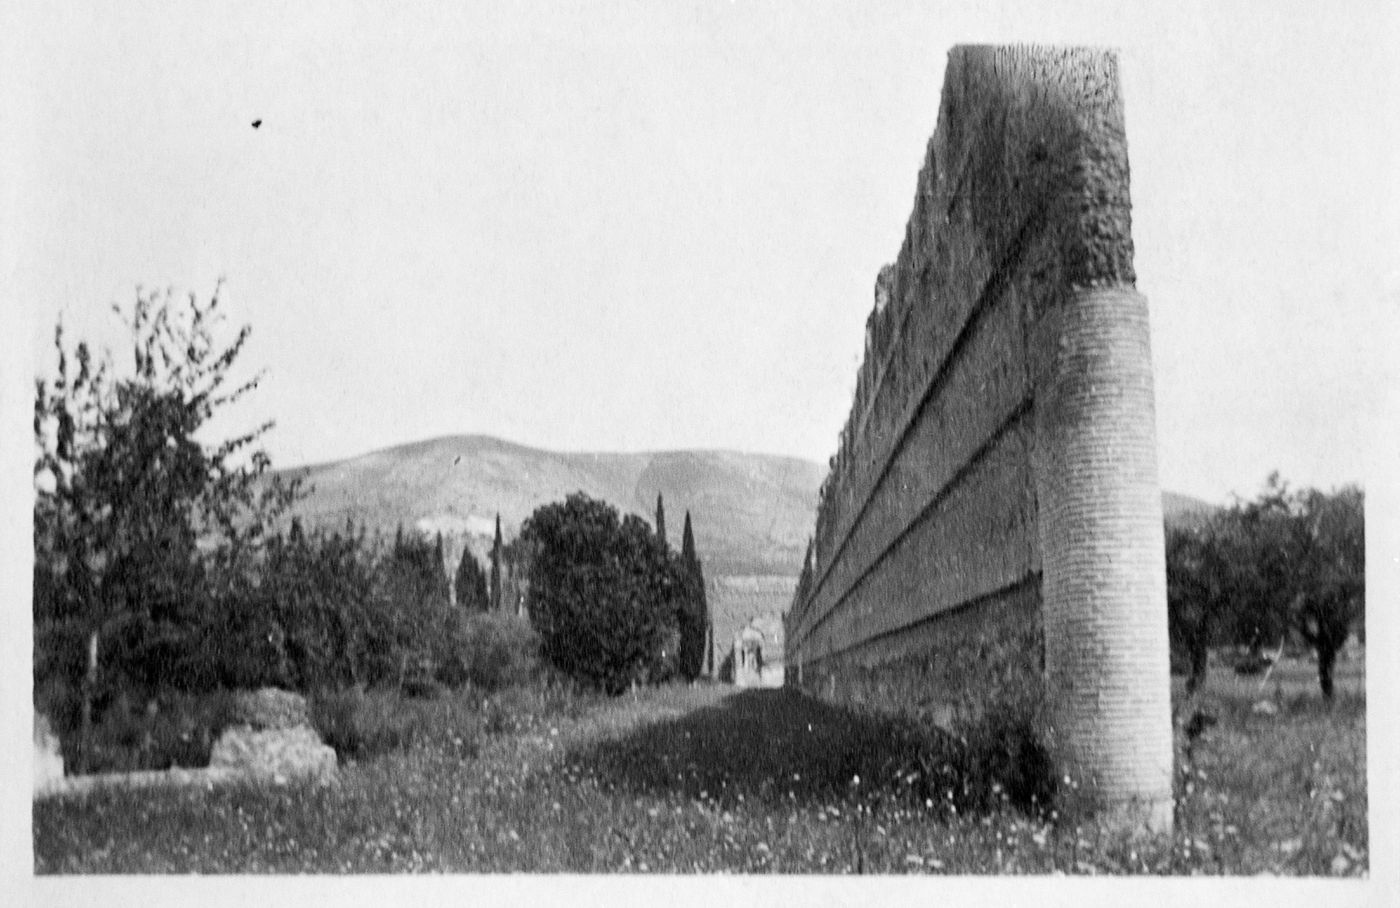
column 499, row 650
column 1288, row 566
column 137, row 522
column 471, row 584
column 603, row 594
column 158, row 566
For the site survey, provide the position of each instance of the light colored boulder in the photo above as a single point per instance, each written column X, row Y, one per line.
column 269, row 708
column 48, row 755
column 277, row 754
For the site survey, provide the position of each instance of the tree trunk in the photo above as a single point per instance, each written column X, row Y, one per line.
column 89, row 688
column 1200, row 657
column 1326, row 660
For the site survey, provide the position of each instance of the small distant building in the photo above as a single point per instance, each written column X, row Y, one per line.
column 739, row 601
column 757, row 653
column 748, row 657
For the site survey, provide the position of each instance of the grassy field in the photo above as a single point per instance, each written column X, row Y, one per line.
column 685, row 780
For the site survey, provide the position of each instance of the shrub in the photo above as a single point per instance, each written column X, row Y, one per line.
column 603, row 593
column 133, row 733
column 497, row 651
column 358, row 726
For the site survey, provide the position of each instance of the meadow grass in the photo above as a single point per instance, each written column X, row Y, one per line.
column 706, row 778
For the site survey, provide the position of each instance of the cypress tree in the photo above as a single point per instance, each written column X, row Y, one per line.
column 495, row 602
column 694, row 609
column 688, row 543
column 471, row 584
column 660, row 520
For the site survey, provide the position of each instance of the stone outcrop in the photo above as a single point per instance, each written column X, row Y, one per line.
column 48, row 757
column 279, row 754
column 272, row 738
column 271, row 741
column 269, row 708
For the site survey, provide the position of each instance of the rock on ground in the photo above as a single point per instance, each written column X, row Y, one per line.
column 48, row 757
column 279, row 754
column 269, row 708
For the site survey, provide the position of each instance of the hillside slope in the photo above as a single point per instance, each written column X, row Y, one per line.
column 751, row 513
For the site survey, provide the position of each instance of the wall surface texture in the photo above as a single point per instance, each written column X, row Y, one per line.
column 996, row 478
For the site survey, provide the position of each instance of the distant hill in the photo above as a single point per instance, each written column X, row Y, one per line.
column 752, row 513
column 1185, row 511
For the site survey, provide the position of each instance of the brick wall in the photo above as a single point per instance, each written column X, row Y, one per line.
column 999, row 457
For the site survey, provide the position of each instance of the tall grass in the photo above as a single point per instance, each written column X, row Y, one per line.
column 701, row 779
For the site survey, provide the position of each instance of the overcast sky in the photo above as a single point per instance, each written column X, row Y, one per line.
column 634, row 226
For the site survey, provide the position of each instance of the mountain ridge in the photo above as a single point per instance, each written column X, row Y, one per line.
column 752, row 512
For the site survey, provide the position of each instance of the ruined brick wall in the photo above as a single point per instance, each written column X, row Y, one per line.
column 997, row 470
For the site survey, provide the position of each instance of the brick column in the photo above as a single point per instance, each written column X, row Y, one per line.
column 1104, row 574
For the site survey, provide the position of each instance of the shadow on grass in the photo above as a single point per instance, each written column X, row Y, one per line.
column 784, row 746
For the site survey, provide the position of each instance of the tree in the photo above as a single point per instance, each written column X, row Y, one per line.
column 472, row 594
column 1286, row 563
column 601, row 593
column 1329, row 595
column 694, row 615
column 1256, row 540
column 1197, row 584
column 136, row 519
column 307, row 620
column 660, row 520
column 496, row 567
column 414, row 592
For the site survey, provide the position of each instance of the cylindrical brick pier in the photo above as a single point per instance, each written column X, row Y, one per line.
column 1104, row 576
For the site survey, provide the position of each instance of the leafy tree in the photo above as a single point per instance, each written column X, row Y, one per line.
column 1287, row 563
column 1197, row 582
column 471, row 584
column 660, row 520
column 694, row 617
column 135, row 518
column 307, row 619
column 1329, row 596
column 602, row 593
column 414, row 592
column 1256, row 539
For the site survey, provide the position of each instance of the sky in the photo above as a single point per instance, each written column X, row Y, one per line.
column 635, row 226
